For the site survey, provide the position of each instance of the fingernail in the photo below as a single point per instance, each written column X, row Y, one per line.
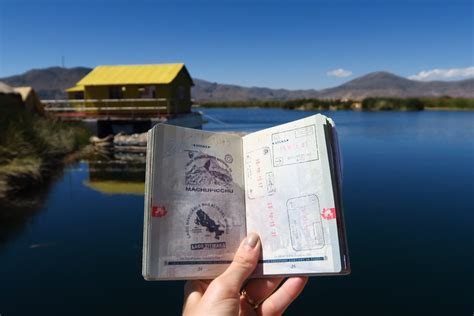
column 252, row 240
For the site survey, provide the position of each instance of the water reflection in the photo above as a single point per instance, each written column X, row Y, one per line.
column 117, row 176
column 115, row 173
column 408, row 203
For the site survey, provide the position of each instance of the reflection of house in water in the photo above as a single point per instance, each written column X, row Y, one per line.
column 117, row 177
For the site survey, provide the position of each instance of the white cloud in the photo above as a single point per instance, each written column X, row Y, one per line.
column 340, row 73
column 444, row 74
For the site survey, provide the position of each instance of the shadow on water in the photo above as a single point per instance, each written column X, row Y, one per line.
column 19, row 208
column 108, row 174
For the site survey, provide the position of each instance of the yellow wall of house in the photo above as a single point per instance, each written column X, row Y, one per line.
column 130, row 92
column 96, row 92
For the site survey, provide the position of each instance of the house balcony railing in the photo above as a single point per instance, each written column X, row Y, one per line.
column 109, row 108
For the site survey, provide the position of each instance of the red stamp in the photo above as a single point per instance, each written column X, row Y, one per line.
column 158, row 211
column 328, row 213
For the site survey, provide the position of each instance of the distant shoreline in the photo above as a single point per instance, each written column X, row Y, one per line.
column 367, row 104
column 448, row 109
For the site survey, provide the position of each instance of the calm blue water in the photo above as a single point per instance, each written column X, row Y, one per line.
column 409, row 207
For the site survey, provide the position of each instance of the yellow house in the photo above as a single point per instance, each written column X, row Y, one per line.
column 145, row 89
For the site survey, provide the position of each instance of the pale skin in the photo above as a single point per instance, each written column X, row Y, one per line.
column 222, row 297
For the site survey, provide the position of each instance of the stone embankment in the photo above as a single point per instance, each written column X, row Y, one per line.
column 135, row 143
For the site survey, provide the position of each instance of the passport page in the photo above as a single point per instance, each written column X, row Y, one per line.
column 194, row 206
column 289, row 198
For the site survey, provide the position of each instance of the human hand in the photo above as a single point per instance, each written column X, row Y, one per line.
column 223, row 295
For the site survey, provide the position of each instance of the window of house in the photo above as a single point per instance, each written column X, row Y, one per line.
column 147, row 92
column 79, row 95
column 116, row 92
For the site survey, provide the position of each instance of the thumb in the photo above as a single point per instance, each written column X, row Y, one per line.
column 244, row 263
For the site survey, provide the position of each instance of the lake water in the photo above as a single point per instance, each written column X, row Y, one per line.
column 75, row 249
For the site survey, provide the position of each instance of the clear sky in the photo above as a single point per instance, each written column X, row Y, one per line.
column 277, row 44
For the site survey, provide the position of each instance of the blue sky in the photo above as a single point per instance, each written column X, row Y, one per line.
column 277, row 44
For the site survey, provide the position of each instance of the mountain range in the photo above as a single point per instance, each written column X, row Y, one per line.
column 50, row 83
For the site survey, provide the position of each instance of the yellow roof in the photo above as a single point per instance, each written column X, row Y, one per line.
column 131, row 74
column 75, row 89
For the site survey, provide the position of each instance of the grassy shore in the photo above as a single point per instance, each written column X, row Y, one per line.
column 33, row 147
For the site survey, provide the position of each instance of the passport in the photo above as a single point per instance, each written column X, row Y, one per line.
column 205, row 191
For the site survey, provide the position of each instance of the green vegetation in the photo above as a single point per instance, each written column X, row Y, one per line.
column 449, row 103
column 299, row 104
column 392, row 104
column 367, row 104
column 416, row 104
column 32, row 147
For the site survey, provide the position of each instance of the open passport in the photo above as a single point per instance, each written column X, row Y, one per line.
column 204, row 191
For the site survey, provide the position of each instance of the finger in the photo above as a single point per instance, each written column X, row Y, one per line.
column 198, row 286
column 259, row 289
column 279, row 301
column 193, row 291
column 245, row 261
